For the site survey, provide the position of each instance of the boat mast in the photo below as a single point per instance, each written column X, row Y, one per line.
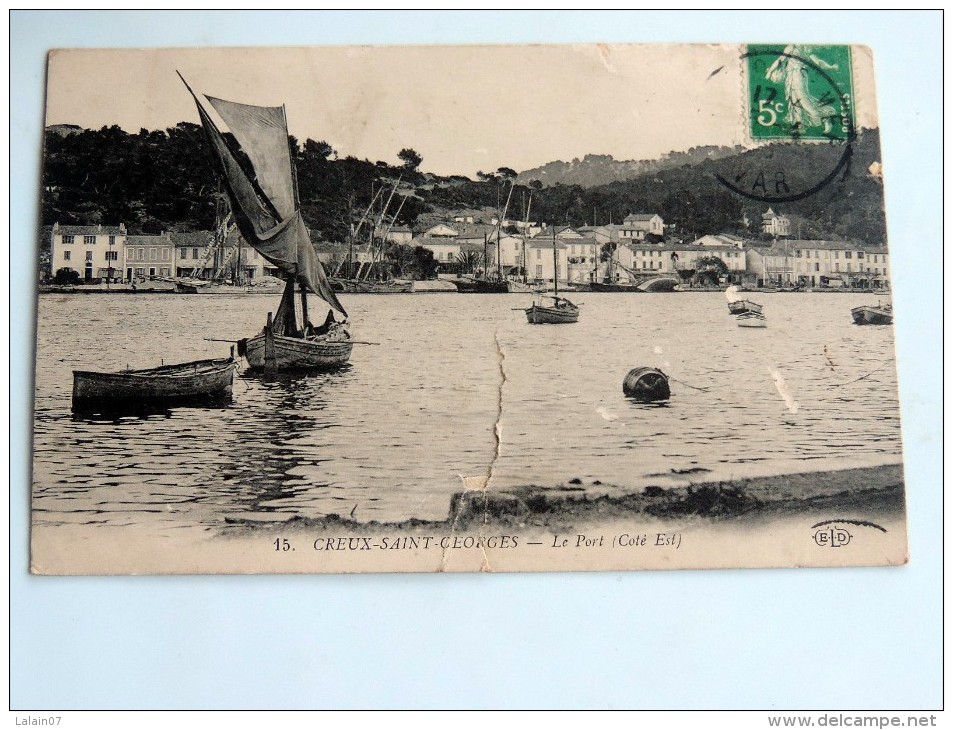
column 294, row 188
column 555, row 268
column 485, row 258
column 499, row 232
column 525, row 229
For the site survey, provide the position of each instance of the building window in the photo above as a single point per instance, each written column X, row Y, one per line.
column 89, row 255
column 836, row 268
column 539, row 255
column 139, row 253
column 165, row 254
column 89, row 240
column 68, row 239
column 195, row 253
column 539, row 270
column 112, row 240
column 182, row 253
column 152, row 254
column 807, row 254
column 112, row 255
column 860, row 254
column 66, row 255
column 847, row 255
column 140, row 272
column 817, row 267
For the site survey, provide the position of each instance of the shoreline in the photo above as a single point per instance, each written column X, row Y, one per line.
column 858, row 492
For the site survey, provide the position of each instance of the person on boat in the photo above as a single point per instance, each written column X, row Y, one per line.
column 329, row 323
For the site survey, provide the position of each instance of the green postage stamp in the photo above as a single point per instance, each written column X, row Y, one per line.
column 800, row 92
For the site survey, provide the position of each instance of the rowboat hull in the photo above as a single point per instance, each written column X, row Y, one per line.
column 354, row 286
column 477, row 286
column 270, row 352
column 604, row 287
column 191, row 383
column 552, row 315
column 872, row 315
column 752, row 319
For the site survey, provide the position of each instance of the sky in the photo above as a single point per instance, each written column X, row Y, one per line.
column 463, row 108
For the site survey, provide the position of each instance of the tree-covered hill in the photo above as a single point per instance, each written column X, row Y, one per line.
column 165, row 180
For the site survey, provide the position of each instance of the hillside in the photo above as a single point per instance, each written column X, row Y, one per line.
column 594, row 170
column 164, row 180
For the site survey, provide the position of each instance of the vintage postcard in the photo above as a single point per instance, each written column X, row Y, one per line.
column 511, row 308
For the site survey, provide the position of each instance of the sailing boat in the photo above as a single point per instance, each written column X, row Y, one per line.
column 562, row 310
column 486, row 284
column 361, row 282
column 265, row 204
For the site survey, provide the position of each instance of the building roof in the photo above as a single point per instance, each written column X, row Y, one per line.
column 545, row 243
column 185, row 239
column 88, row 230
column 639, row 217
column 163, row 239
column 794, row 244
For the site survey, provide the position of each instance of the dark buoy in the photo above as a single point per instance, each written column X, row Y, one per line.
column 646, row 384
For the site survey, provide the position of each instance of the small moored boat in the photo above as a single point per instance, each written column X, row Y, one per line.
column 873, row 314
column 752, row 319
column 562, row 312
column 738, row 304
column 188, row 383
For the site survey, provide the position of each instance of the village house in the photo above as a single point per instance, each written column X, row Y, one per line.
column 94, row 252
column 774, row 224
column 148, row 257
column 582, row 258
column 445, row 249
column 540, row 264
column 637, row 226
column 399, row 234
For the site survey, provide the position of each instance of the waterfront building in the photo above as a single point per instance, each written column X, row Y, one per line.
column 148, row 257
column 399, row 234
column 647, row 259
column 539, row 259
column 818, row 263
column 774, row 224
column 445, row 249
column 582, row 258
column 197, row 255
column 94, row 252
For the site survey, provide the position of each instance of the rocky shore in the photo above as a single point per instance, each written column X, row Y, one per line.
column 857, row 493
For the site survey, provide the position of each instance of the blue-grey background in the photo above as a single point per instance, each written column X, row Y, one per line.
column 771, row 639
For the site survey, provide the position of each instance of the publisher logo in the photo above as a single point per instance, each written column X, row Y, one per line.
column 832, row 536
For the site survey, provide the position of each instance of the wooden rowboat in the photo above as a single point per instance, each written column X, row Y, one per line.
column 189, row 383
column 873, row 314
column 563, row 312
column 740, row 306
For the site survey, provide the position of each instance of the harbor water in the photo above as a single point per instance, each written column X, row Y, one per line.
column 459, row 386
